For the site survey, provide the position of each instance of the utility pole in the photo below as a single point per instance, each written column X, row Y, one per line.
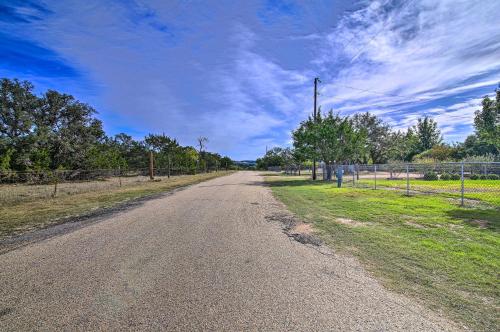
column 316, row 80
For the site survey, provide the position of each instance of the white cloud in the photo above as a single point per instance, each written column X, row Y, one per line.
column 213, row 69
column 414, row 52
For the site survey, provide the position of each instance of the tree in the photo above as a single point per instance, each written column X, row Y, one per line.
column 487, row 121
column 202, row 143
column 164, row 147
column 18, row 106
column 305, row 138
column 57, row 131
column 134, row 152
column 299, row 158
column 332, row 138
column 438, row 153
column 403, row 145
column 68, row 129
column 378, row 137
column 428, row 134
column 226, row 163
column 272, row 158
column 475, row 146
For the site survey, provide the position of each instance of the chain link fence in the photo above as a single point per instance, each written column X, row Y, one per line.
column 16, row 187
column 469, row 183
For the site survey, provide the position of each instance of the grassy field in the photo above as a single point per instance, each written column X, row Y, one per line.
column 24, row 215
column 425, row 246
column 486, row 191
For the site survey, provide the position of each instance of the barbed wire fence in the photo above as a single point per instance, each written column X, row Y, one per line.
column 25, row 186
column 468, row 183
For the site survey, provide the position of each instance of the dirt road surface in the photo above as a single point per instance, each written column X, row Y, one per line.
column 205, row 258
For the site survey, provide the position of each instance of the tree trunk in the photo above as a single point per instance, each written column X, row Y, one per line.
column 329, row 172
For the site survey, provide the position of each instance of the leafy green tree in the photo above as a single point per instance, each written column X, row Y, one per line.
column 378, row 137
column 475, row 146
column 187, row 159
column 226, row 163
column 165, row 148
column 428, row 134
column 18, row 106
column 438, row 153
column 403, row 146
column 272, row 158
column 487, row 121
column 331, row 138
column 105, row 156
column 134, row 152
column 67, row 128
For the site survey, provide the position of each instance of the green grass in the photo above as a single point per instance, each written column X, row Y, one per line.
column 23, row 216
column 486, row 191
column 424, row 246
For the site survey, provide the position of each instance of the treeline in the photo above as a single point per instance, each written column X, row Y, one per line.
column 56, row 131
column 365, row 138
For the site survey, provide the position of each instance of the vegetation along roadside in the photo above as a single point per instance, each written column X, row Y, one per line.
column 424, row 246
column 29, row 215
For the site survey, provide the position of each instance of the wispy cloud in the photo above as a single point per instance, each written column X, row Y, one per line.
column 241, row 72
column 409, row 55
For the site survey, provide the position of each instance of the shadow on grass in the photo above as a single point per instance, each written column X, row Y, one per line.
column 482, row 218
column 295, row 183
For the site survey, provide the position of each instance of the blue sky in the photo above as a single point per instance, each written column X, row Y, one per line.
column 241, row 72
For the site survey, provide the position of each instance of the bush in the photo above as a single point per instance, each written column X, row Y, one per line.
column 493, row 177
column 474, row 177
column 430, row 176
column 483, row 177
column 445, row 176
column 455, row 177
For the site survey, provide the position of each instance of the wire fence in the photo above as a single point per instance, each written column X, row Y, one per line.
column 16, row 187
column 468, row 183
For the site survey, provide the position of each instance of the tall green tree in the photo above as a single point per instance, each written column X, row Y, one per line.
column 427, row 133
column 18, row 105
column 487, row 120
column 164, row 147
column 330, row 138
column 272, row 158
column 378, row 137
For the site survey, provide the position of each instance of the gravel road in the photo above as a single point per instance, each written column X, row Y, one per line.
column 209, row 257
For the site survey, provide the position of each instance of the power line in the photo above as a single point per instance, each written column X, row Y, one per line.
column 401, row 96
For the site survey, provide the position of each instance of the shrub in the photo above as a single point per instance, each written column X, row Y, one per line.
column 474, row 177
column 483, row 177
column 493, row 177
column 445, row 176
column 430, row 176
column 455, row 177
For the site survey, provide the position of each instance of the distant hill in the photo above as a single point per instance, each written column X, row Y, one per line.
column 245, row 163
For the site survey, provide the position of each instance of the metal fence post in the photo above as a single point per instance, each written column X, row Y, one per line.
column 375, row 168
column 353, row 176
column 462, row 180
column 407, row 180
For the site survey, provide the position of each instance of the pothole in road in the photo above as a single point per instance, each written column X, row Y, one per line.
column 296, row 229
column 5, row 311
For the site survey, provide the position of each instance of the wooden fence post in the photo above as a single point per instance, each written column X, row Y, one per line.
column 151, row 172
column 120, row 175
column 55, row 184
column 168, row 174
